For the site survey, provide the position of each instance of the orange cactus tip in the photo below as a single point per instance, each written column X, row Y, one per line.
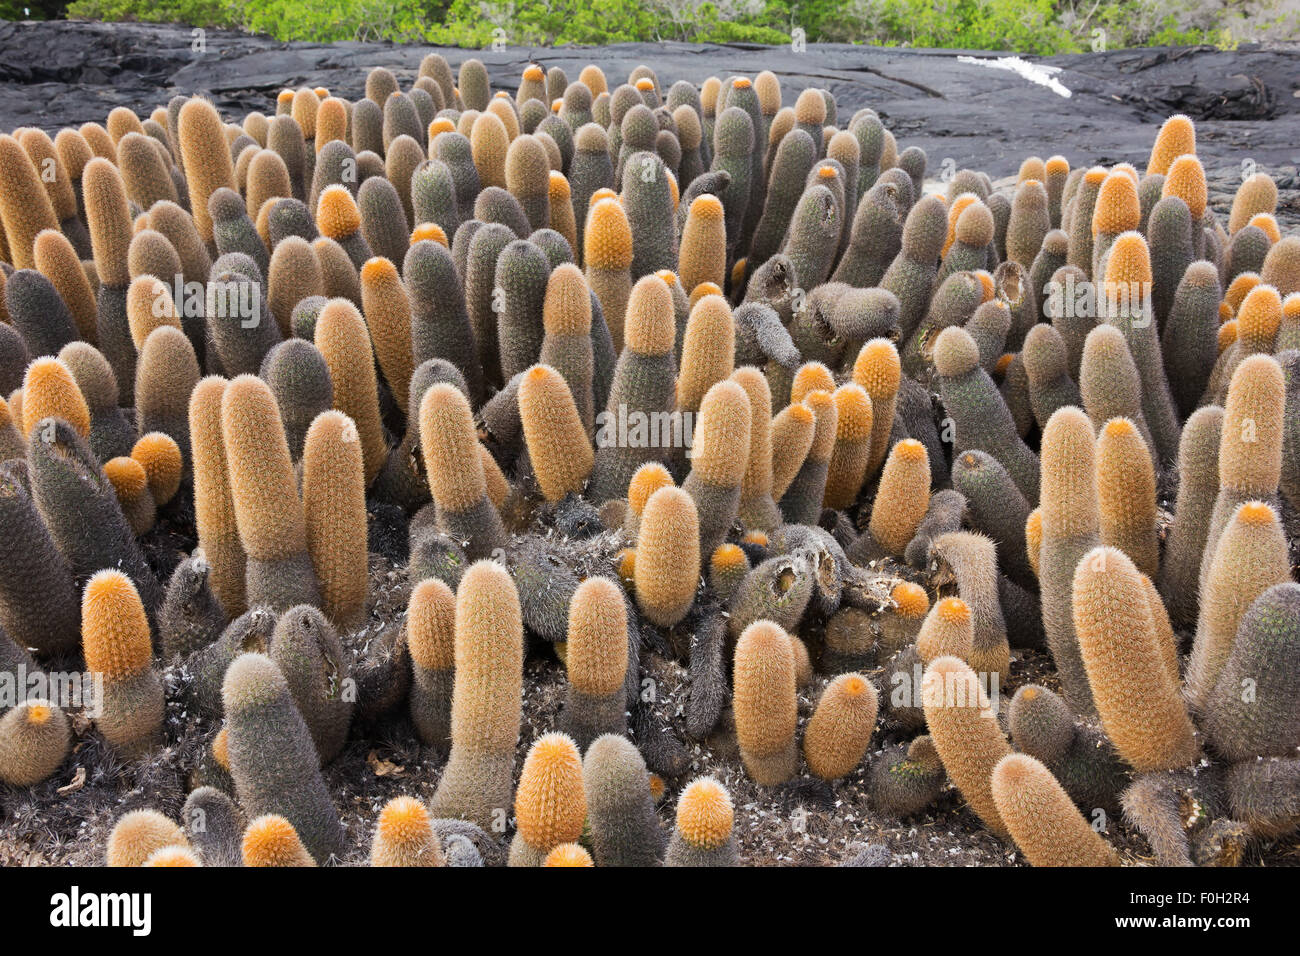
column 911, row 599
column 646, row 480
column 49, row 388
column 707, row 206
column 556, row 105
column 337, row 214
column 285, row 96
column 1129, row 264
column 1118, row 208
column 818, row 401
column 500, row 95
column 1227, row 334
column 1260, row 313
column 114, row 629
column 431, row 231
column 404, row 820
column 568, row 854
column 38, row 713
column 1291, row 306
column 1239, row 288
column 1120, row 428
column 878, row 369
column 1186, row 180
column 1030, row 694
column 558, row 186
column 826, row 172
column 755, row 537
column 738, row 271
column 986, row 280
column 378, row 269
column 811, row 377
column 1095, row 176
column 441, row 125
column 704, row 814
column 742, row 83
column 1268, row 223
column 172, row 856
column 534, row 73
column 626, row 562
column 220, row 748
column 322, row 91
column 645, row 84
column 854, row 412
column 1004, row 362
column 728, row 556
column 657, row 787
column 703, row 289
column 668, row 277
column 601, row 194
column 1128, row 169
column 127, row 477
column 271, row 840
column 953, row 611
column 1176, row 137
column 910, row 450
column 160, row 456
column 1256, row 513
column 802, row 414
column 853, row 686
column 1057, row 165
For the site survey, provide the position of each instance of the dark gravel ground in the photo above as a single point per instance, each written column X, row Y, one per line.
column 1246, row 105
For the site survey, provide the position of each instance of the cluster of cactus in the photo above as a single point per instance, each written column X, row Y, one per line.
column 603, row 372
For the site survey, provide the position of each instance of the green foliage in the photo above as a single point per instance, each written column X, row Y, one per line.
column 1025, row 26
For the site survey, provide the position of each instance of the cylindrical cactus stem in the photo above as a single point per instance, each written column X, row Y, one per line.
column 56, row 258
column 339, row 218
column 1249, row 557
column 620, row 806
column 344, row 342
column 306, row 648
column 902, row 498
column 801, row 501
column 719, row 454
column 485, row 708
column 431, row 642
column 528, row 178
column 293, row 274
column 1250, row 445
column 965, row 732
column 647, row 479
column 51, row 391
column 1117, row 210
column 840, row 730
column 1245, row 726
column 38, row 599
column 878, row 370
column 191, row 617
column 765, row 703
column 1126, row 495
column 298, row 376
column 558, row 446
column 81, row 510
column 334, row 506
column 852, row 452
column 208, row 166
column 703, row 835
column 483, row 250
column 790, row 164
column 264, row 491
column 449, row 446
column 596, row 660
column 814, row 235
column 1198, row 487
column 522, row 271
column 1079, row 253
column 607, row 255
column 440, row 326
column 387, row 311
column 641, row 396
column 567, row 344
column 214, row 506
column 1031, row 220
column 875, row 238
column 1042, row 818
column 1110, row 383
column 383, row 220
column 272, row 758
column 971, row 558
column 733, row 142
column 132, row 486
column 1046, row 362
column 165, row 377
column 25, row 207
column 1135, row 693
column 116, row 641
column 667, row 569
column 703, row 256
column 980, row 417
column 1070, row 528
